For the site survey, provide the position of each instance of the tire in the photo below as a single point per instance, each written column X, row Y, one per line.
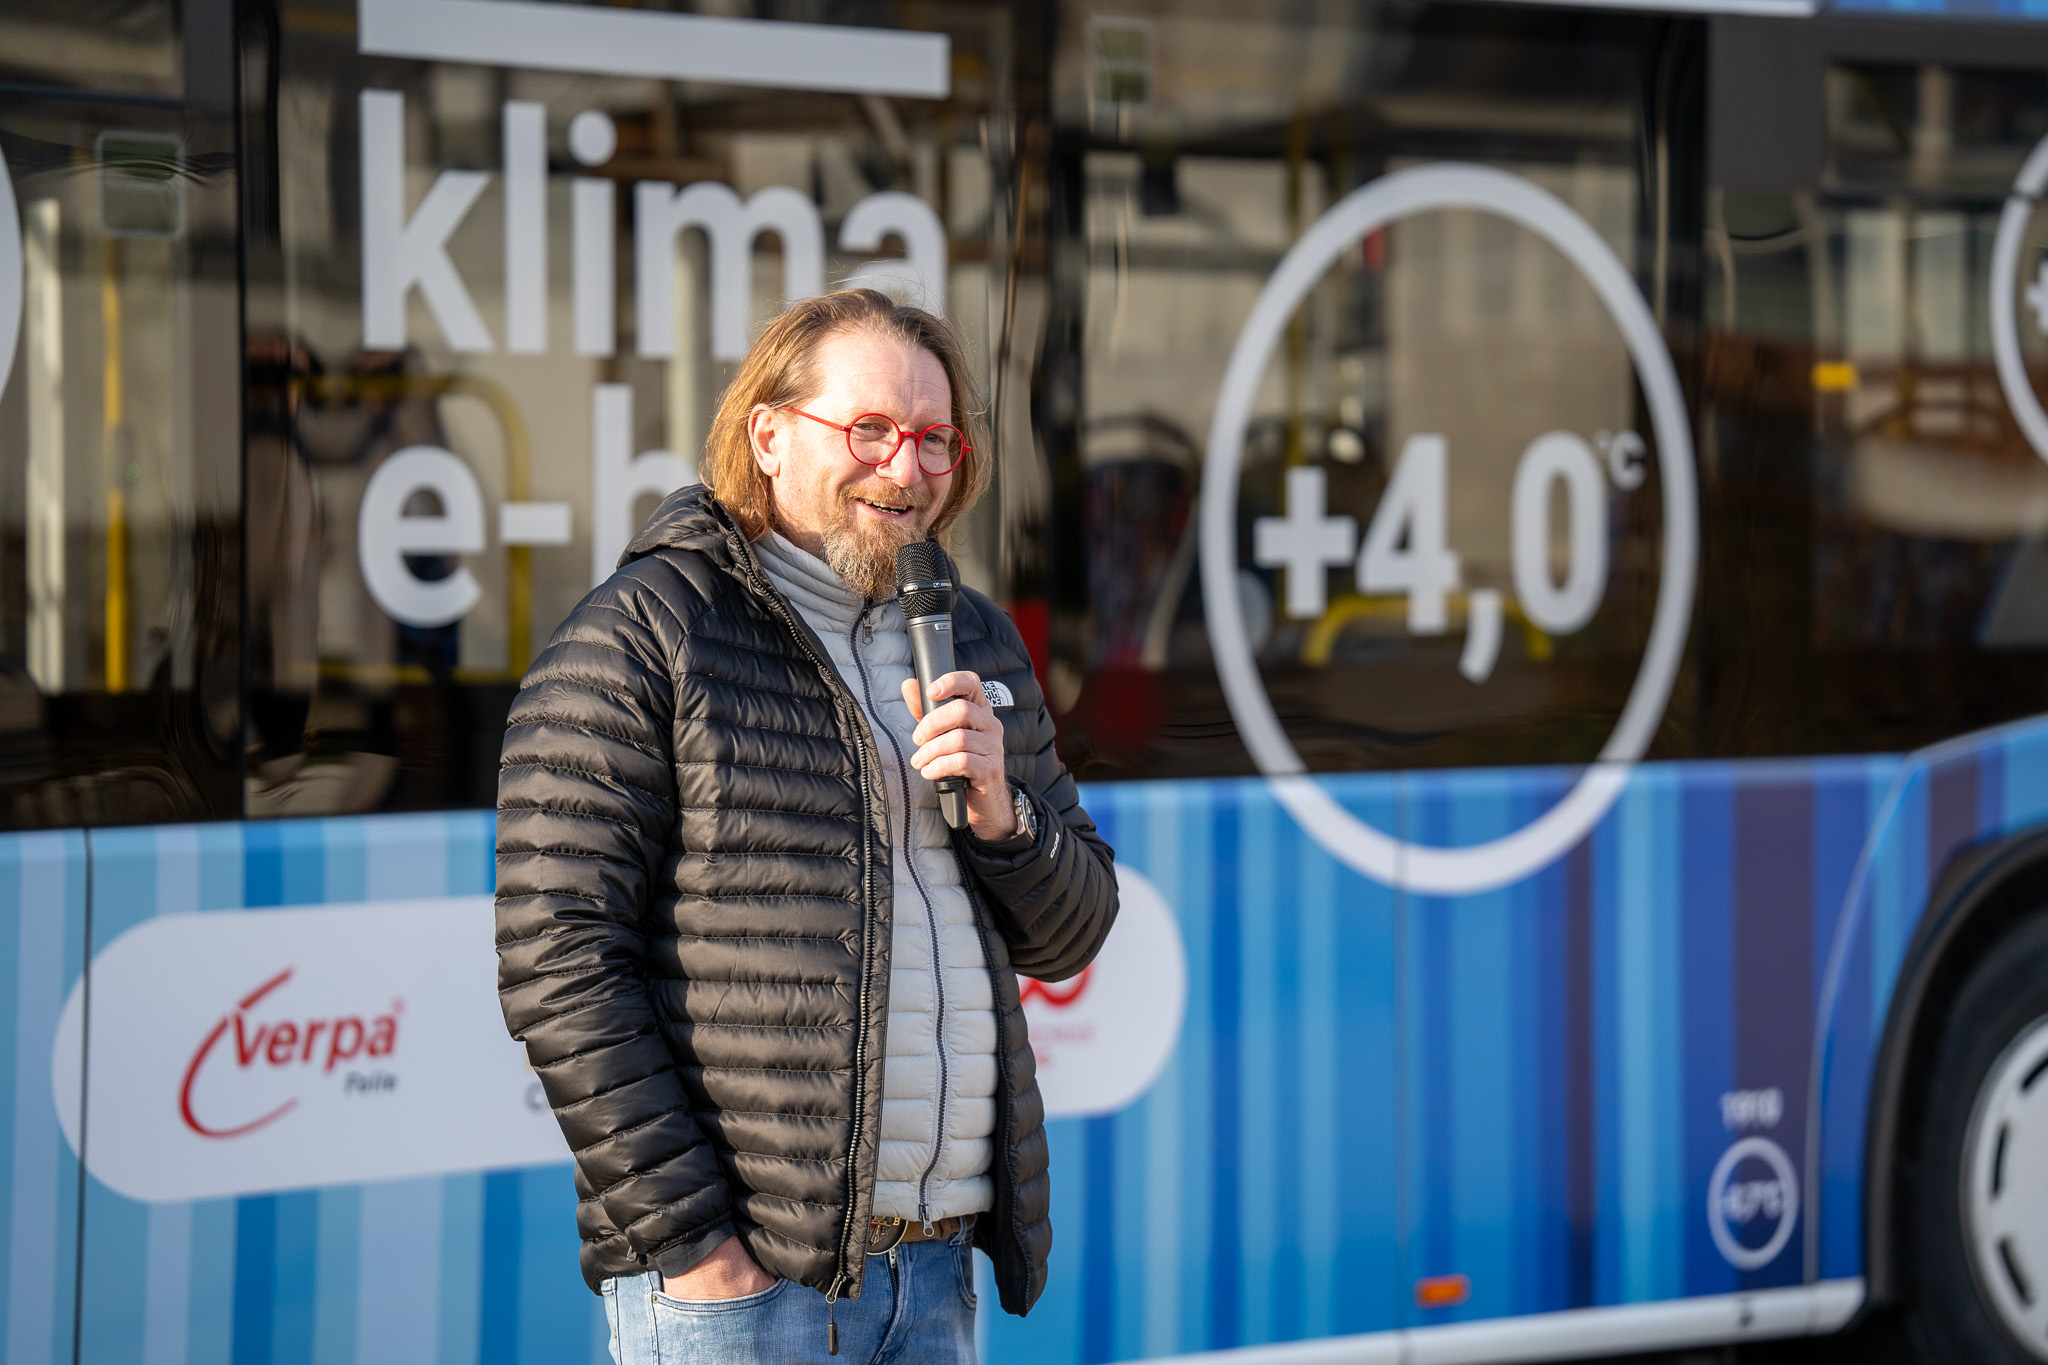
column 1977, row 1246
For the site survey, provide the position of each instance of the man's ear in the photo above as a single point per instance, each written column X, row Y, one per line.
column 765, row 439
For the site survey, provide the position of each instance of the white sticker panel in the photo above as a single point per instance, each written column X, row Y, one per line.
column 258, row 1050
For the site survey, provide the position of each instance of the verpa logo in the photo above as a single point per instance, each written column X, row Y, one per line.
column 277, row 1049
column 242, row 1045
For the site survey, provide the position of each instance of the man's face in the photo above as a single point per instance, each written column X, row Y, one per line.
column 852, row 515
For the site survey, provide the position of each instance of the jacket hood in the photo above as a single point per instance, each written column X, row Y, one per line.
column 691, row 518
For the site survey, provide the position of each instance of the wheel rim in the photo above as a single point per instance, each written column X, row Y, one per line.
column 2005, row 1188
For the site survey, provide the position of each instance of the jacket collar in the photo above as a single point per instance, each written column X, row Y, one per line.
column 692, row 519
column 809, row 582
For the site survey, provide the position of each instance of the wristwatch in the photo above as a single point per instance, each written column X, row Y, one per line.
column 1027, row 818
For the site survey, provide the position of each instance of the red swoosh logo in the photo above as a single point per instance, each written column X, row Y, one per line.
column 1059, row 997
column 199, row 1059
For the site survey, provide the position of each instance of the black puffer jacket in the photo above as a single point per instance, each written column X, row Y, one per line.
column 694, row 910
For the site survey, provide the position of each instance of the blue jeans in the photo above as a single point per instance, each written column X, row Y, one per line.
column 916, row 1308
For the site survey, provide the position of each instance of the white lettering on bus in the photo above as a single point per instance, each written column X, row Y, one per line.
column 386, row 533
column 403, row 252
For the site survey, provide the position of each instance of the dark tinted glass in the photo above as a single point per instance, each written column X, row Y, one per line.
column 1447, row 531
column 1452, row 523
column 120, row 455
column 437, row 479
column 130, row 46
column 1876, row 512
column 1450, row 529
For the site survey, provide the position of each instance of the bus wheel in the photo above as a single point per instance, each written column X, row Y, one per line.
column 1980, row 1242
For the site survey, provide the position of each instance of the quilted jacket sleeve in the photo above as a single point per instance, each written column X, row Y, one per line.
column 1054, row 897
column 586, row 803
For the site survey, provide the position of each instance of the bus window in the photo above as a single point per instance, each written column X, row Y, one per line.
column 1448, row 512
column 118, row 46
column 120, row 455
column 1877, row 515
column 491, row 314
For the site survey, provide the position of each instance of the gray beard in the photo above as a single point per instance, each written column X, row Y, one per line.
column 867, row 563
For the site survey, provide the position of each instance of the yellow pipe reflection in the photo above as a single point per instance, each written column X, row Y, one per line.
column 1321, row 640
column 117, row 510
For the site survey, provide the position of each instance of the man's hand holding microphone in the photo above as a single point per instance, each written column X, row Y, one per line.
column 960, row 740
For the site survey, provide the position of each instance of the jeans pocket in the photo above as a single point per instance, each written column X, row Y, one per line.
column 963, row 1262
column 759, row 1299
column 610, row 1291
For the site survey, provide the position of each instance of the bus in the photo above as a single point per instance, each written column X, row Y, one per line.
column 1532, row 519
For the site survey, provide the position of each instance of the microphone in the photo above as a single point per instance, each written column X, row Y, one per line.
column 925, row 592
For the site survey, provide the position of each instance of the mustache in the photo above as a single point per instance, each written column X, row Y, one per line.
column 917, row 498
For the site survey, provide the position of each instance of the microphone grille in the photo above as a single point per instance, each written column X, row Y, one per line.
column 924, row 580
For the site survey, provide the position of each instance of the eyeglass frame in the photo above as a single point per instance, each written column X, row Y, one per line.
column 902, row 432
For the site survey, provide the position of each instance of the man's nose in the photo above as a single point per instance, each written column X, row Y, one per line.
column 902, row 468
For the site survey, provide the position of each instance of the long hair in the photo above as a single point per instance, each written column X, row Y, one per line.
column 780, row 370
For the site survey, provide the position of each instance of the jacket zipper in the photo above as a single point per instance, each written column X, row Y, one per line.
column 1006, row 1187
column 931, row 917
column 766, row 591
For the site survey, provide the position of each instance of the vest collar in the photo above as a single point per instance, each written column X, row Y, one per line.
column 808, row 581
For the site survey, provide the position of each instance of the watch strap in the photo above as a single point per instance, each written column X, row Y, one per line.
column 1027, row 818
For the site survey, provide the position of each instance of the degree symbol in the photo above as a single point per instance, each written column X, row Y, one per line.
column 1624, row 451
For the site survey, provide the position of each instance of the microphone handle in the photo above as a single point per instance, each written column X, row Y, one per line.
column 931, row 650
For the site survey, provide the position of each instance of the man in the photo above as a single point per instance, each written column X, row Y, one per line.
column 770, row 995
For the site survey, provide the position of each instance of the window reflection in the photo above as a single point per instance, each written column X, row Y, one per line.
column 537, row 367
column 1100, row 199
column 131, row 46
column 1854, row 327
column 119, row 472
column 1200, row 147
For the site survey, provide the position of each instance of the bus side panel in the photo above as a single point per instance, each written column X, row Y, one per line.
column 1845, row 818
column 1583, row 1050
column 1946, row 799
column 1251, row 1193
column 1576, row 1058
column 1368, row 1089
column 42, row 957
column 1498, row 1044
column 470, row 1266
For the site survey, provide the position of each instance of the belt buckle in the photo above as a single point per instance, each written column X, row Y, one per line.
column 879, row 1234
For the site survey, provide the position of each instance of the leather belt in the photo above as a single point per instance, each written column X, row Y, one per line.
column 886, row 1234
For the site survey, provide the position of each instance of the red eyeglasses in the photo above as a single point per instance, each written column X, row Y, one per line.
column 874, row 439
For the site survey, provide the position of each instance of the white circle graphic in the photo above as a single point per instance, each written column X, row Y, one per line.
column 1772, row 1155
column 1102, row 1038
column 2005, row 332
column 10, row 273
column 1425, row 868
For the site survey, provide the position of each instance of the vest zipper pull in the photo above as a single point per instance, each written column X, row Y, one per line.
column 832, row 1322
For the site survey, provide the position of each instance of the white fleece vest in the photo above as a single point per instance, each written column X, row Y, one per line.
column 939, row 1073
